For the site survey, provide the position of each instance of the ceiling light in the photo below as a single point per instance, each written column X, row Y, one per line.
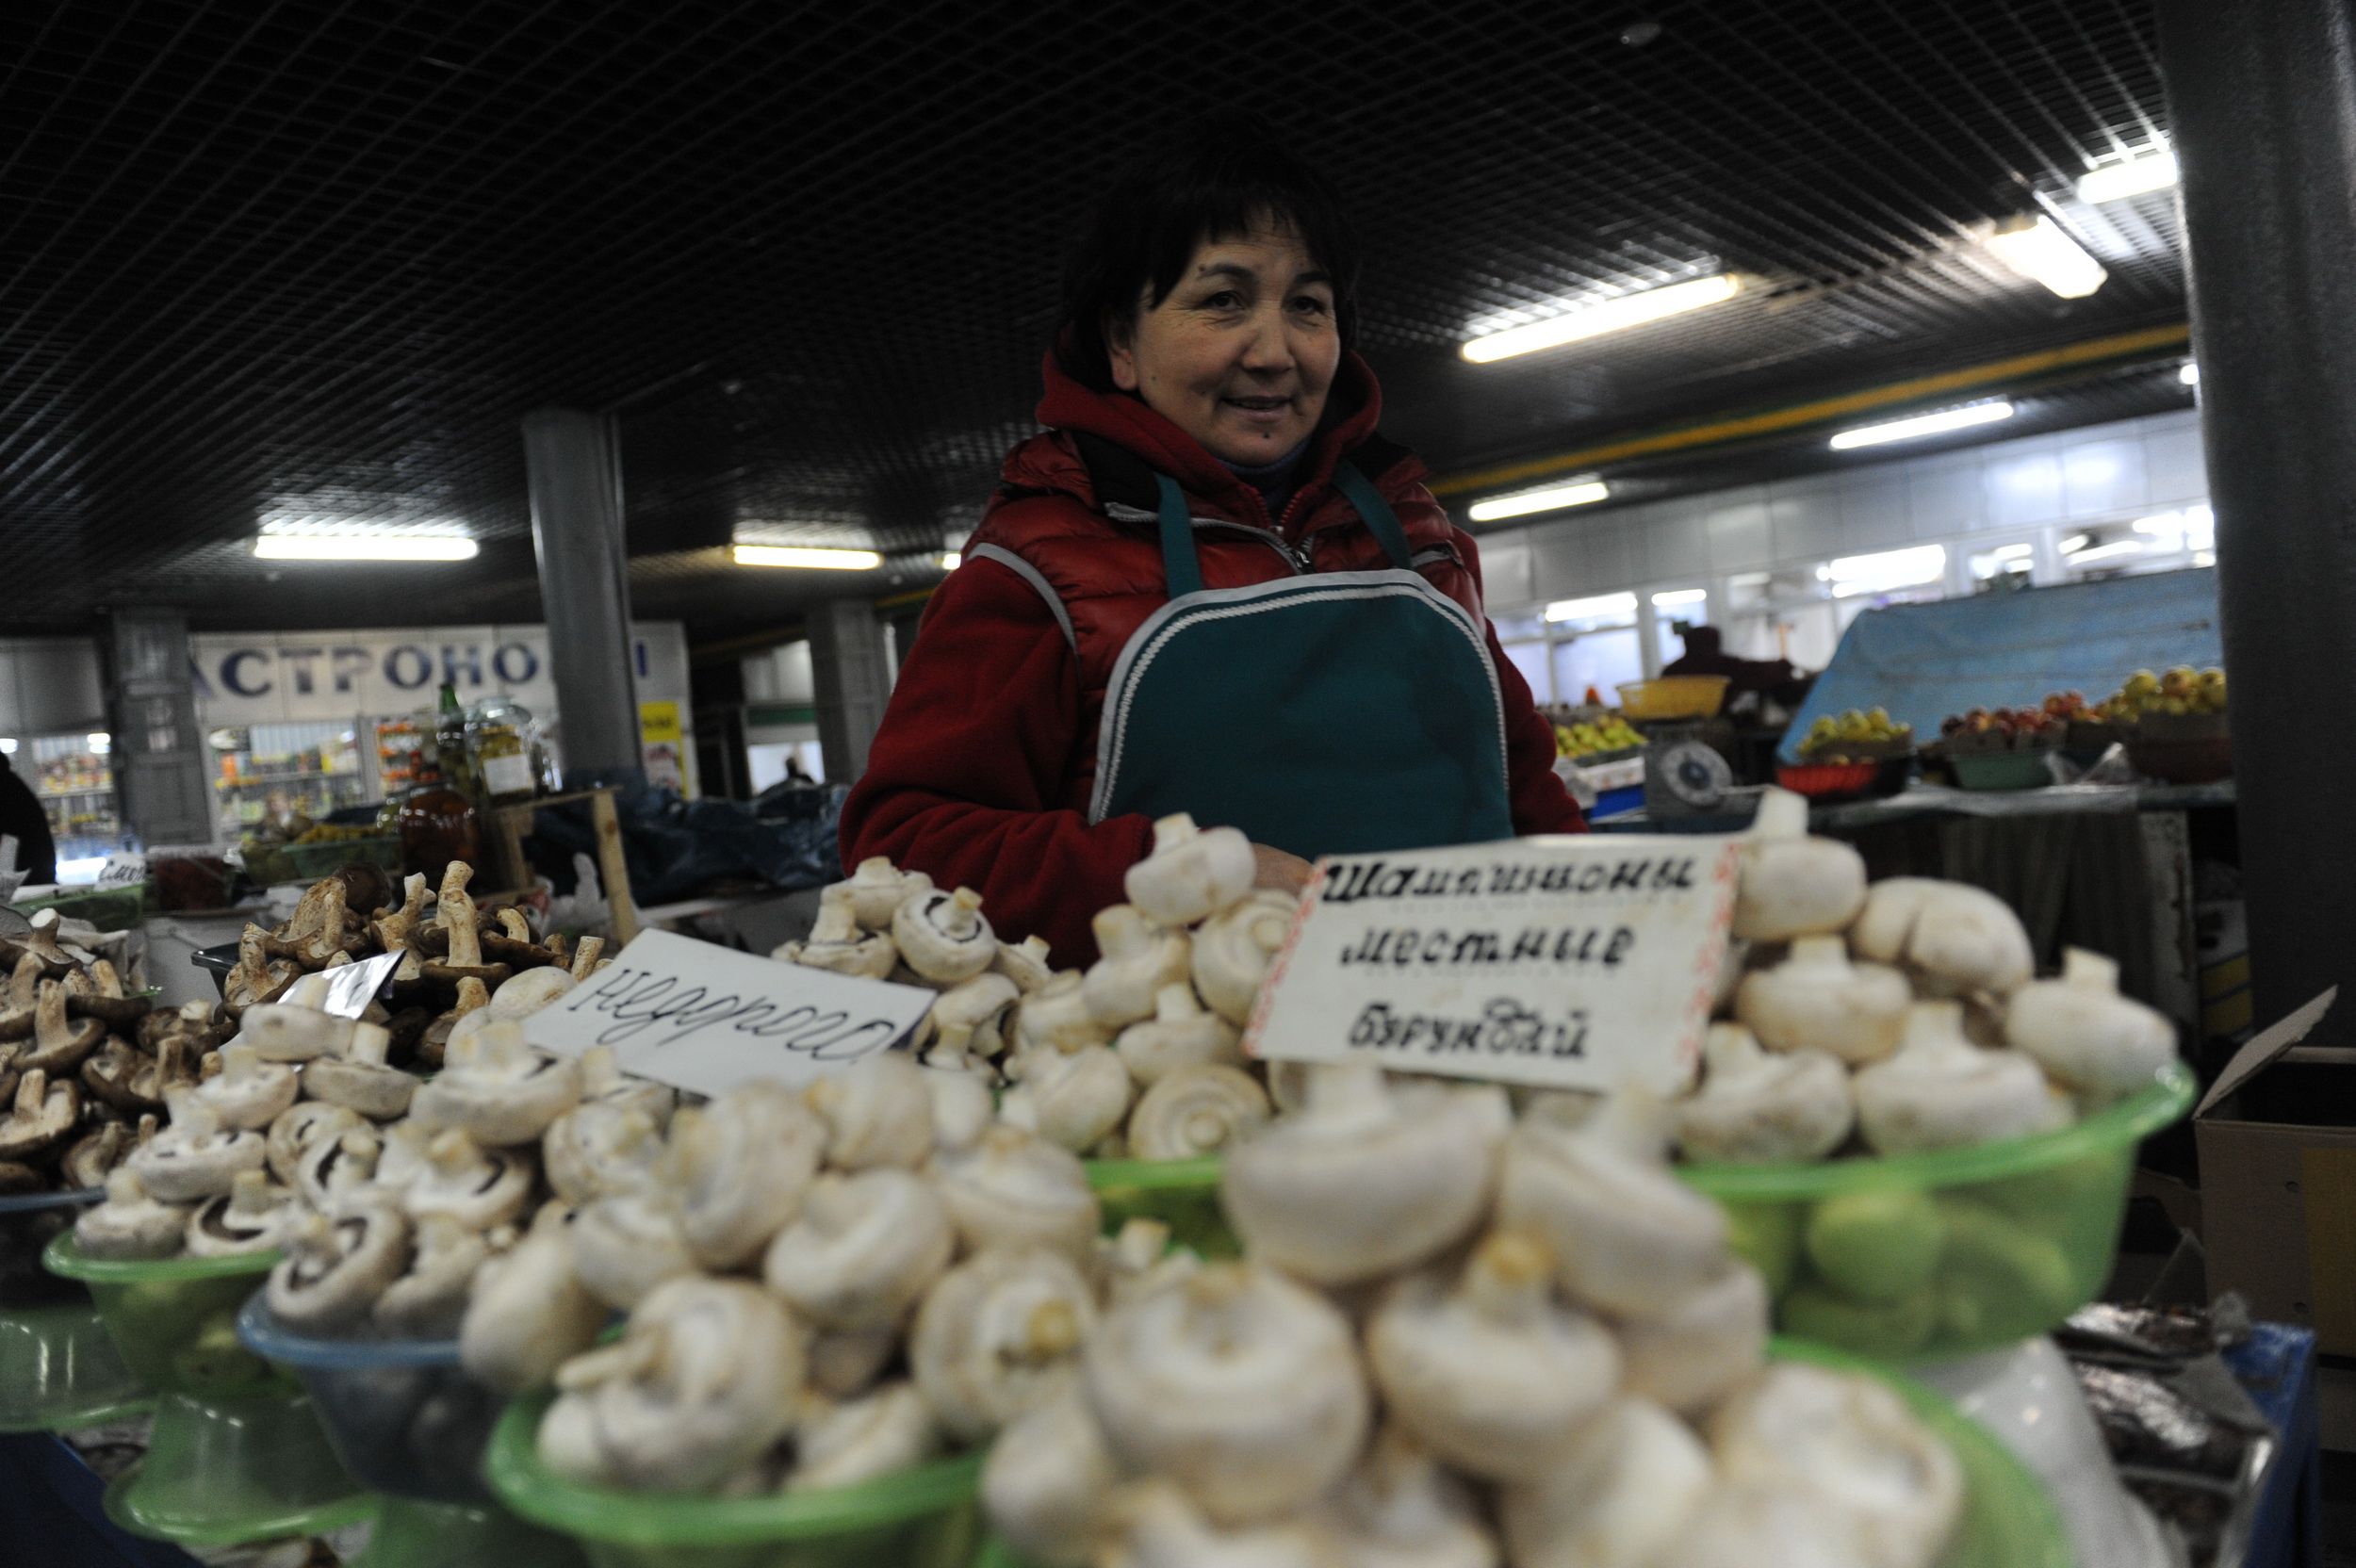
column 2075, row 543
column 8, row 746
column 364, row 547
column 1676, row 597
column 2190, row 374
column 952, row 560
column 2105, row 552
column 99, row 741
column 1937, row 423
column 1884, row 570
column 2038, row 250
column 806, row 556
column 1628, row 310
column 1554, row 498
column 2153, row 171
column 1602, row 606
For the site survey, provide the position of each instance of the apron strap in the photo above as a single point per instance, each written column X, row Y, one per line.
column 1183, row 572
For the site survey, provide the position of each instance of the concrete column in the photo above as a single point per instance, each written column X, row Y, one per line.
column 2263, row 98
column 573, row 469
column 853, row 679
column 159, row 754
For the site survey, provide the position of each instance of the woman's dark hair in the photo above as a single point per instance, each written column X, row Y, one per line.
column 1214, row 181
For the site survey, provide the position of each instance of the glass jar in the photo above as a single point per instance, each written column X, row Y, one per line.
column 502, row 738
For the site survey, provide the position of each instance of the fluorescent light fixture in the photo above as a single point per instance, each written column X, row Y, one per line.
column 364, row 547
column 806, row 556
column 2075, row 543
column 1554, row 498
column 2039, row 249
column 8, row 745
column 952, row 560
column 2190, row 374
column 2111, row 551
column 2113, row 182
column 99, row 741
column 1676, row 597
column 2011, row 552
column 1885, row 570
column 2160, row 524
column 1938, row 423
column 2200, row 527
column 1616, row 606
column 1615, row 315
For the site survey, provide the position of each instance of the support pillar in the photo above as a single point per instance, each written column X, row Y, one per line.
column 2262, row 99
column 157, row 751
column 573, row 468
column 854, row 681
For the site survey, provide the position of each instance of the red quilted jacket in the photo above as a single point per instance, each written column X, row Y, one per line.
column 981, row 772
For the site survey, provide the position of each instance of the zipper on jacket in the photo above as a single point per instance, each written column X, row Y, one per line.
column 1296, row 558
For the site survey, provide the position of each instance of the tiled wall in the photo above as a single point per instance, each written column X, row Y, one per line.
column 2007, row 487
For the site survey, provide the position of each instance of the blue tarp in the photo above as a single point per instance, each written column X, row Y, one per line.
column 1924, row 661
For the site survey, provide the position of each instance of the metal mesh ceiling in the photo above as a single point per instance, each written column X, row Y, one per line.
column 315, row 258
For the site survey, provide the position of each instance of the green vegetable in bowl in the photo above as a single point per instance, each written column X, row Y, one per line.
column 1891, row 1331
column 1999, row 1280
column 1876, row 1247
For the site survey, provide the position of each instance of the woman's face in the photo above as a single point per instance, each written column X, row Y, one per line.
column 1242, row 352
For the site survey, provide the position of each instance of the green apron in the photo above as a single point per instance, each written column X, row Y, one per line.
column 1328, row 713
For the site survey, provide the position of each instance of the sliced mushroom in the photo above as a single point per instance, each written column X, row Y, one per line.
column 59, row 1045
column 336, row 1266
column 247, row 1218
column 359, row 1080
column 250, row 1093
column 40, row 1119
column 499, row 1090
column 301, row 1126
column 740, row 1167
column 131, row 1223
column 429, row 1301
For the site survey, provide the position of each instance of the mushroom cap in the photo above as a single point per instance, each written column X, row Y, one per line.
column 529, row 991
column 998, row 1334
column 1817, row 999
column 1048, row 1479
column 1754, row 1108
column 249, row 1094
column 195, row 1157
column 1013, row 1188
column 597, row 1147
column 1027, row 963
column 1237, row 1385
column 281, row 1032
column 331, row 1167
column 1398, row 1509
column 337, row 1263
column 1192, row 874
column 59, row 1043
column 1616, row 1496
column 1487, row 1371
column 1940, row 1091
column 1196, row 1110
column 1182, row 1033
column 2102, row 1046
column 864, row 1249
column 881, row 1432
column 944, row 935
column 848, row 1361
column 248, row 1219
column 299, row 1127
column 1072, row 1099
column 1232, row 951
column 624, row 1244
column 479, row 1188
column 361, row 1082
column 1366, row 1180
column 528, row 1313
column 1153, row 1525
column 878, row 1112
column 1139, row 958
column 1794, row 885
column 1702, row 1346
column 500, row 1092
column 1952, row 936
column 1056, row 1015
column 131, row 1223
column 429, row 1301
column 739, row 1168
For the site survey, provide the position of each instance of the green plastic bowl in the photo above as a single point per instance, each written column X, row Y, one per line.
column 1182, row 1194
column 1927, row 1257
column 175, row 1320
column 2008, row 1521
column 927, row 1517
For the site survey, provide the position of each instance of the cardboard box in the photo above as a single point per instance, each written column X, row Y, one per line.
column 2277, row 1139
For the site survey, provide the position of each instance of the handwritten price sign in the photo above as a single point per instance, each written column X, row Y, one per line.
column 707, row 1018
column 1568, row 962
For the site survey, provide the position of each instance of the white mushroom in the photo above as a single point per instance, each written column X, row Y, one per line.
column 879, row 1434
column 963, row 1108
column 997, row 1335
column 1952, row 936
column 1487, row 1372
column 878, row 1112
column 1140, row 1260
column 1192, row 874
column 497, row 1089
column 1072, row 1098
column 1628, row 1237
column 703, row 1381
column 477, row 1187
column 280, row 1031
column 2102, row 1046
column 1366, row 1180
column 301, row 1126
column 1026, row 963
column 1014, row 1190
column 739, row 1168
column 848, row 1361
column 1140, row 958
column 359, row 1080
column 1153, row 1525
column 1181, row 1033
column 429, row 1301
column 604, row 1083
column 334, row 1166
column 528, row 1313
column 1195, row 1111
column 1794, row 885
column 1048, row 1481
column 875, row 891
column 194, row 1157
column 1848, row 1443
column 1056, row 1015
column 1940, row 1091
column 248, row 1219
column 1757, row 1109
column 1233, row 951
column 1238, row 1385
column 131, row 1223
column 529, row 991
column 1817, row 999
column 867, row 1248
column 1397, row 1508
column 837, row 943
column 1701, row 1346
column 597, row 1147
column 624, row 1244
column 971, row 1015
column 943, row 937
column 1613, row 1499
column 337, row 1264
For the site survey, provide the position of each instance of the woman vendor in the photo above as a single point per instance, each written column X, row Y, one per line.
column 1210, row 585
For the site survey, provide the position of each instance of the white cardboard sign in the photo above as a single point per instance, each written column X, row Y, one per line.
column 1582, row 961
column 702, row 1017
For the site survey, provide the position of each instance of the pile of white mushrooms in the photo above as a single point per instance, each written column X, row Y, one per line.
column 821, row 1289
column 1461, row 1341
column 1903, row 1015
column 1137, row 1056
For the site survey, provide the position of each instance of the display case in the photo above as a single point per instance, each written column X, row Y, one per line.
column 311, row 769
column 75, row 779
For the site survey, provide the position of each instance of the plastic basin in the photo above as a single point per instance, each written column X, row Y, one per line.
column 57, row 1368
column 2008, row 1521
column 2003, row 770
column 1182, row 1194
column 1927, row 1257
column 28, row 1225
column 1674, row 696
column 401, row 1414
column 923, row 1518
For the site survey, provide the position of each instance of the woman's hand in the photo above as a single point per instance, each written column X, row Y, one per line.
column 1273, row 867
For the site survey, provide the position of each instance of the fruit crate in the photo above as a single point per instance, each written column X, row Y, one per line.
column 309, row 862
